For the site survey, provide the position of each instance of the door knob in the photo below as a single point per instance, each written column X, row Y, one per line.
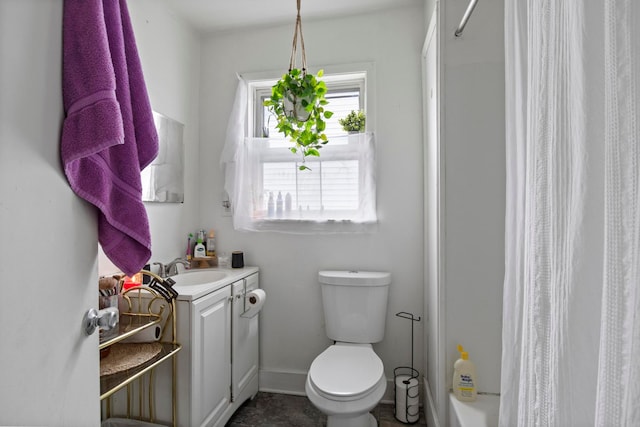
column 107, row 319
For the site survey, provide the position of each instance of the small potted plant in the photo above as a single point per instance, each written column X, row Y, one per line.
column 297, row 101
column 353, row 122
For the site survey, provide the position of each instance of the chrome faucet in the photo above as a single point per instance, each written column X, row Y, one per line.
column 162, row 272
column 171, row 269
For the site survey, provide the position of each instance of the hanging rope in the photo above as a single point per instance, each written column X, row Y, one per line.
column 298, row 30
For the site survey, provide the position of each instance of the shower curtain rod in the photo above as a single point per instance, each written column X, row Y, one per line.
column 465, row 17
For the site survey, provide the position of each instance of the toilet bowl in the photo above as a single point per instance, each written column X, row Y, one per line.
column 345, row 382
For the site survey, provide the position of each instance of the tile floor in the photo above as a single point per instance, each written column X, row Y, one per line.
column 271, row 409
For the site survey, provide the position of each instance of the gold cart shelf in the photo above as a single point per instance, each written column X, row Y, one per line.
column 110, row 384
column 141, row 308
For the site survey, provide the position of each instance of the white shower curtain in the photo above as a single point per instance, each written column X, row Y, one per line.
column 571, row 314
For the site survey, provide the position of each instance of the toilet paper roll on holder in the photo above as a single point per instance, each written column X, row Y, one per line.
column 407, row 407
column 249, row 300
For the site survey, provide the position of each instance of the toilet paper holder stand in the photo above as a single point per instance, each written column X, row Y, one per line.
column 404, row 412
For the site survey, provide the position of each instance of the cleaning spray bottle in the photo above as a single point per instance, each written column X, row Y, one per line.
column 464, row 377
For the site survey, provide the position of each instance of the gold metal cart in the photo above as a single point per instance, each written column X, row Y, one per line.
column 131, row 361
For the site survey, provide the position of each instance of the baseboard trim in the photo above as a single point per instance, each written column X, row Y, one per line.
column 283, row 382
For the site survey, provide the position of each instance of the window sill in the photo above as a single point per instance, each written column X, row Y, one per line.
column 310, row 226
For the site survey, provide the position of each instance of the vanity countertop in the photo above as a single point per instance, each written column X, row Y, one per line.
column 192, row 292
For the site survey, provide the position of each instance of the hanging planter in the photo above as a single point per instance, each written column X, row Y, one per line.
column 297, row 101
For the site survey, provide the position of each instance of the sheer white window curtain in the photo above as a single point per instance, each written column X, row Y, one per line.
column 571, row 315
column 336, row 195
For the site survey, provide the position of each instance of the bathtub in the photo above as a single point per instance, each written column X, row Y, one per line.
column 481, row 413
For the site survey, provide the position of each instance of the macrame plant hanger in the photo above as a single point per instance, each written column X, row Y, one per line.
column 292, row 106
column 298, row 101
column 294, row 47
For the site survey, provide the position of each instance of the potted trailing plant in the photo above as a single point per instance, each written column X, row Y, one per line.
column 298, row 103
column 353, row 122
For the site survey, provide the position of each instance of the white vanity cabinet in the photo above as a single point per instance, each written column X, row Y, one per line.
column 218, row 364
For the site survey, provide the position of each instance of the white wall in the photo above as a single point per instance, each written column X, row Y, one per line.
column 170, row 54
column 473, row 136
column 292, row 321
column 473, row 186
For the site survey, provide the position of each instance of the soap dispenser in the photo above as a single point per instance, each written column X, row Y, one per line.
column 199, row 251
column 464, row 377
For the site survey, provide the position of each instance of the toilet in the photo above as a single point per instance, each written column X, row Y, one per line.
column 347, row 380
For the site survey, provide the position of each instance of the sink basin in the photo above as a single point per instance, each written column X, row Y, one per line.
column 201, row 277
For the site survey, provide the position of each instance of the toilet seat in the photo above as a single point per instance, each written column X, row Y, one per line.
column 346, row 372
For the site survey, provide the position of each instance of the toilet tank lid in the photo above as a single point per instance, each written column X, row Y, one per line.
column 354, row 278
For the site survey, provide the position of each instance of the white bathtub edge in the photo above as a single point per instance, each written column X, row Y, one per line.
column 481, row 413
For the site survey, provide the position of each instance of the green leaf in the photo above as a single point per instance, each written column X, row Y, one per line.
column 308, row 92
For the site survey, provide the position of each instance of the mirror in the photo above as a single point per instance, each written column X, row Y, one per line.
column 163, row 179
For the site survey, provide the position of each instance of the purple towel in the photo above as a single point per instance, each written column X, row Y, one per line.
column 108, row 134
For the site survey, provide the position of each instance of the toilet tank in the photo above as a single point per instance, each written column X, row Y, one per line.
column 355, row 304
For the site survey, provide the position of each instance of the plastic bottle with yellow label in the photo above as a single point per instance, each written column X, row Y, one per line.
column 464, row 378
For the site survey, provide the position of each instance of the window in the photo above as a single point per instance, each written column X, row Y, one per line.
column 343, row 96
column 336, row 194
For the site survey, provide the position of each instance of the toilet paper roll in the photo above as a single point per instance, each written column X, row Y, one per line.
column 407, row 402
column 150, row 334
column 253, row 302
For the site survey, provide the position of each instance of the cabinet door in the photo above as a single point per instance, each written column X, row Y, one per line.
column 245, row 339
column 211, row 357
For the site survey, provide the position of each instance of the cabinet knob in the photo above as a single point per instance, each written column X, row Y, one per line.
column 107, row 319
